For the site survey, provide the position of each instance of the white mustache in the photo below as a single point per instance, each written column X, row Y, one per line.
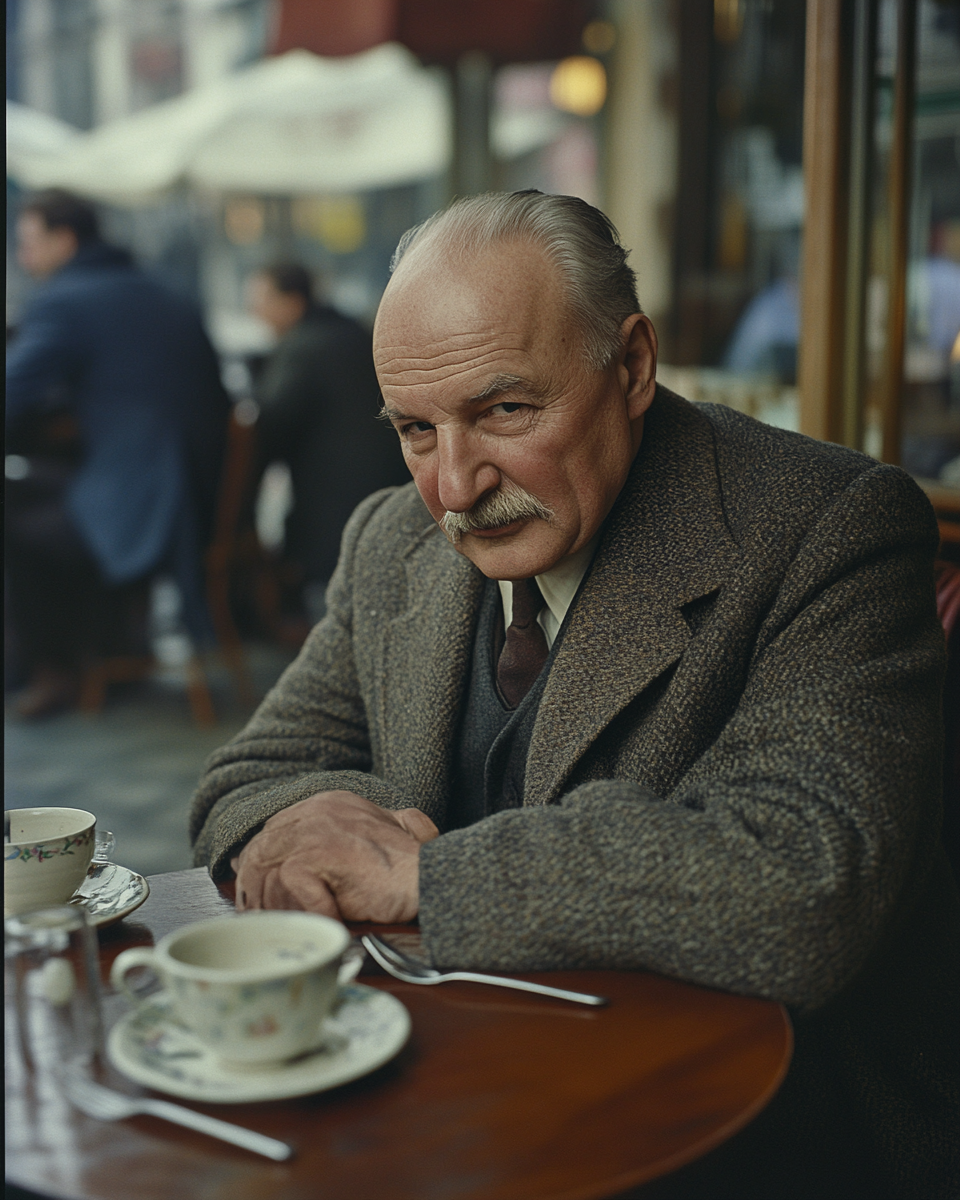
column 507, row 504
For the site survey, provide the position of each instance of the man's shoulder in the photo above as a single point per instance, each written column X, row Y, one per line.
column 776, row 476
column 88, row 285
column 391, row 542
column 745, row 439
column 392, row 522
column 325, row 332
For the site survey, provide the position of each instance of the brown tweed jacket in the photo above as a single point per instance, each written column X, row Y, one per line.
column 734, row 776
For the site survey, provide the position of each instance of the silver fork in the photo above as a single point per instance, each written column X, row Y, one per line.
column 108, row 1105
column 401, row 966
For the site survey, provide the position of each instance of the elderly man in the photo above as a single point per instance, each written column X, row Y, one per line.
column 624, row 682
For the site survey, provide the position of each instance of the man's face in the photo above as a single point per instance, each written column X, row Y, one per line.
column 42, row 251
column 280, row 310
column 483, row 376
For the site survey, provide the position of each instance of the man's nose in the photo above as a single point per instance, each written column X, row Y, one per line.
column 463, row 475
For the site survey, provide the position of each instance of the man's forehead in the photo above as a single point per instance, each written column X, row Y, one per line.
column 460, row 310
column 494, row 278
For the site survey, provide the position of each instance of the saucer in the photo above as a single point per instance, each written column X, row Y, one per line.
column 368, row 1028
column 110, row 892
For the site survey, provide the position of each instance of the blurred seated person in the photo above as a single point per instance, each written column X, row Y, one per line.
column 766, row 336
column 318, row 397
column 116, row 418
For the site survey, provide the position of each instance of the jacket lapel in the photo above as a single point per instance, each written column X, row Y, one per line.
column 426, row 665
column 666, row 543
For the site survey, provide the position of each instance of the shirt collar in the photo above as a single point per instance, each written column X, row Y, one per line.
column 558, row 586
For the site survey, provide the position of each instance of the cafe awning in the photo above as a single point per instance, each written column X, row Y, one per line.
column 34, row 138
column 292, row 124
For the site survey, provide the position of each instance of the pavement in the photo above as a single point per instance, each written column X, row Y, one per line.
column 136, row 764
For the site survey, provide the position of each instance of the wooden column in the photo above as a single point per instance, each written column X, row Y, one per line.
column 826, row 171
column 898, row 185
column 862, row 107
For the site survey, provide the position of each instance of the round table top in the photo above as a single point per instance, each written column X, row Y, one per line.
column 498, row 1095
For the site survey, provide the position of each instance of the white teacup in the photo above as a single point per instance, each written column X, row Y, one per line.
column 254, row 988
column 46, row 856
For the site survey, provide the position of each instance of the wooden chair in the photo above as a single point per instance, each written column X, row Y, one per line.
column 103, row 672
column 128, row 665
column 234, row 546
column 948, row 609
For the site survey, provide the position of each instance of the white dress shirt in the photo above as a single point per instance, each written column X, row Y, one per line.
column 558, row 586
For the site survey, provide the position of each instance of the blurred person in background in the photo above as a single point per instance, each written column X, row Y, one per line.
column 767, row 335
column 318, row 397
column 116, row 418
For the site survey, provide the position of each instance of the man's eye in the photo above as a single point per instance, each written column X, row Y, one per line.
column 506, row 406
column 415, row 427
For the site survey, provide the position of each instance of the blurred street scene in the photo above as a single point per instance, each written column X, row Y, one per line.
column 258, row 160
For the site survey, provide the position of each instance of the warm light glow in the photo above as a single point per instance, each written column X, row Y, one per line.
column 337, row 222
column 579, row 85
column 243, row 221
column 599, row 37
column 727, row 20
column 955, row 352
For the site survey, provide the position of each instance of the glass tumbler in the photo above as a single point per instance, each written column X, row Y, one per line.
column 52, row 990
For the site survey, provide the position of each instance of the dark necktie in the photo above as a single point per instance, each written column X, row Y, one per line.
column 525, row 647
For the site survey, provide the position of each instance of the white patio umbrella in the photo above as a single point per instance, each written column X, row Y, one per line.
column 293, row 124
column 34, row 137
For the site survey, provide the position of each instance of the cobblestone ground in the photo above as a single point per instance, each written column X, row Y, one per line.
column 135, row 765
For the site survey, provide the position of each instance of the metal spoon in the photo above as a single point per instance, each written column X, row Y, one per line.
column 411, row 971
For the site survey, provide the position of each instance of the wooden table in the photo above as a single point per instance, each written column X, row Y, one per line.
column 498, row 1095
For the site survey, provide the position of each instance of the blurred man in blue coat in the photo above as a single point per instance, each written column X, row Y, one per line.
column 130, row 364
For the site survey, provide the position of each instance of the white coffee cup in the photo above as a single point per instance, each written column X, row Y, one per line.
column 46, row 854
column 253, row 988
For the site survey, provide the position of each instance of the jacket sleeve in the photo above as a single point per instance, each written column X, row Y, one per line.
column 783, row 854
column 309, row 735
column 44, row 359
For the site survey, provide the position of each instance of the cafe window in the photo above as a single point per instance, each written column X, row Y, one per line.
column 732, row 334
column 881, row 288
column 928, row 392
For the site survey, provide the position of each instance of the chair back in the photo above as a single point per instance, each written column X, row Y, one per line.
column 948, row 609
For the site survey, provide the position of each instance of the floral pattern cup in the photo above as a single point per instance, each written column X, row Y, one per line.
column 253, row 988
column 46, row 853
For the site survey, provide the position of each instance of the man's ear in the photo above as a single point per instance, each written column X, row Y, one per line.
column 638, row 363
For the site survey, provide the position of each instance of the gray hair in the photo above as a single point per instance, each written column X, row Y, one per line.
column 578, row 239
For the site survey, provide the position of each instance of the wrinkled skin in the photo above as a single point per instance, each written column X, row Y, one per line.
column 337, row 854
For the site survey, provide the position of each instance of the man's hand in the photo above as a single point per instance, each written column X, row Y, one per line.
column 337, row 854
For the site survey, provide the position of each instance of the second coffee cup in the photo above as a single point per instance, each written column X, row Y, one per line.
column 254, row 988
column 46, row 853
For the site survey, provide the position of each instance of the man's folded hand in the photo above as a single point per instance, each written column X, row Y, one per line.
column 338, row 854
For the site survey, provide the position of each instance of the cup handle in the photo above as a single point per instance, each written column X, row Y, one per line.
column 138, row 956
column 350, row 964
column 104, row 844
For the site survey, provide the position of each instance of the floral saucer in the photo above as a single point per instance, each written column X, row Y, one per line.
column 369, row 1027
column 110, row 892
